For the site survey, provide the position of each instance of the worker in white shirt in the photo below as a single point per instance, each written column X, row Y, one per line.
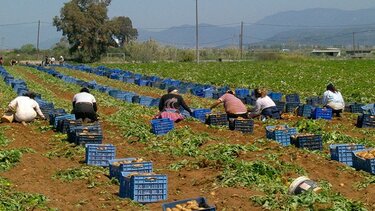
column 25, row 108
column 264, row 105
column 84, row 106
column 333, row 99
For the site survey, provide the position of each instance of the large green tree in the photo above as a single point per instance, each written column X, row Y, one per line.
column 123, row 30
column 87, row 27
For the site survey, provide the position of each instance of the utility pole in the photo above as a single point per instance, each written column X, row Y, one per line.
column 196, row 32
column 241, row 39
column 353, row 43
column 37, row 41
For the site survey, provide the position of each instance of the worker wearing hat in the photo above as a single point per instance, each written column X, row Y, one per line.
column 170, row 104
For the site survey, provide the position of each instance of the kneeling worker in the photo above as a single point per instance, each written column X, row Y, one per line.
column 233, row 106
column 264, row 105
column 84, row 106
column 25, row 108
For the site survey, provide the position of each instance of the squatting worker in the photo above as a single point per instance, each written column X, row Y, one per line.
column 333, row 99
column 264, row 105
column 233, row 106
column 170, row 104
column 25, row 108
column 84, row 106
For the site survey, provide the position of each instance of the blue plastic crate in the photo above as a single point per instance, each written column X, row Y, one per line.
column 145, row 101
column 305, row 110
column 99, row 154
column 291, row 107
column 314, row 101
column 161, row 126
column 62, row 117
column 343, row 152
column 82, row 138
column 363, row 164
column 307, row 141
column 292, row 98
column 144, row 188
column 280, row 106
column 201, row 114
column 280, row 133
column 243, row 125
column 366, row 121
column 202, row 202
column 322, row 113
column 356, row 108
column 242, row 93
column 219, row 119
column 116, row 166
column 141, row 82
column 275, row 96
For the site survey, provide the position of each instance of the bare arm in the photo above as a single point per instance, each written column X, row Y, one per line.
column 215, row 104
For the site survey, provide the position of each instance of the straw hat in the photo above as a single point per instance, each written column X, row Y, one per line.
column 7, row 117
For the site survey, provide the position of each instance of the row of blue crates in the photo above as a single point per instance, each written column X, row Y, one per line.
column 116, row 93
column 208, row 91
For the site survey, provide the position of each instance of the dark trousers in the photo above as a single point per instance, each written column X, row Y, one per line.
column 271, row 112
column 335, row 112
column 85, row 110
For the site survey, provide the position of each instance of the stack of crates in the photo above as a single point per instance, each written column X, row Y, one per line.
column 243, row 125
column 161, row 126
column 292, row 102
column 220, row 119
column 361, row 163
column 55, row 112
column 366, row 121
column 144, row 187
column 99, row 154
column 307, row 141
column 57, row 119
column 343, row 152
column 314, row 101
column 292, row 98
column 275, row 96
column 72, row 124
column 86, row 134
column 322, row 113
column 280, row 106
column 242, row 93
column 305, row 110
column 280, row 133
column 130, row 165
column 46, row 107
column 201, row 201
column 356, row 108
column 201, row 114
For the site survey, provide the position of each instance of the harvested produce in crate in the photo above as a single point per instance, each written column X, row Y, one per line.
column 367, row 154
column 188, row 206
column 302, row 135
column 118, row 163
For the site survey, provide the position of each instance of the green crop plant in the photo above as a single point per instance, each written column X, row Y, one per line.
column 306, row 77
column 339, row 137
column 79, row 173
column 324, row 200
column 9, row 158
column 13, row 200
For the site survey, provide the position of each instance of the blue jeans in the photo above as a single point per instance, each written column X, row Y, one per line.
column 271, row 112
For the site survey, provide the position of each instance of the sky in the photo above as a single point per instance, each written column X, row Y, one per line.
column 155, row 14
column 159, row 14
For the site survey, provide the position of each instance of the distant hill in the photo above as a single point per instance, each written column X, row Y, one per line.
column 317, row 26
column 310, row 26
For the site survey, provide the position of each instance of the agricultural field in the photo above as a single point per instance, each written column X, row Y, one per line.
column 40, row 170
